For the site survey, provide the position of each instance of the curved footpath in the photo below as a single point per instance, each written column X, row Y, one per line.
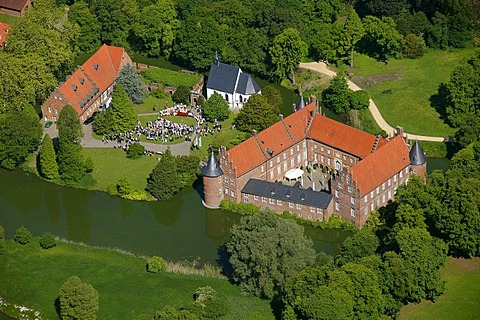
column 89, row 141
column 323, row 69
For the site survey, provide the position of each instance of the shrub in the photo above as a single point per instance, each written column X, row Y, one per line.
column 22, row 235
column 135, row 151
column 47, row 241
column 360, row 100
column 413, row 47
column 212, row 306
column 78, row 300
column 124, row 187
column 182, row 95
column 156, row 264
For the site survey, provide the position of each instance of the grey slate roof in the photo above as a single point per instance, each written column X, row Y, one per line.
column 212, row 169
column 223, row 77
column 277, row 191
column 417, row 156
column 247, row 85
column 301, row 104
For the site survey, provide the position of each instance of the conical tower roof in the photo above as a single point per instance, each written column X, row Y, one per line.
column 212, row 169
column 417, row 156
column 301, row 104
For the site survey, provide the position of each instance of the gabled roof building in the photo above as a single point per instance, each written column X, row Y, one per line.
column 367, row 169
column 15, row 8
column 231, row 83
column 4, row 31
column 90, row 86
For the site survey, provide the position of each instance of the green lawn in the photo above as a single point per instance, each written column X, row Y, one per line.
column 7, row 19
column 402, row 88
column 32, row 277
column 461, row 298
column 110, row 165
column 152, row 102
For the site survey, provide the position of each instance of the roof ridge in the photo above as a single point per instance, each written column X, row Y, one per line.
column 110, row 58
column 286, row 129
column 259, row 146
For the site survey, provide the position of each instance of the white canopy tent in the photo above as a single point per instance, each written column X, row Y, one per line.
column 293, row 174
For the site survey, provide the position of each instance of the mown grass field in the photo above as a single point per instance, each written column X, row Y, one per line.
column 32, row 277
column 402, row 88
column 152, row 102
column 461, row 298
column 110, row 165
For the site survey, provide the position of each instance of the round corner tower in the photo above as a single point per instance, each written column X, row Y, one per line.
column 212, row 183
column 418, row 160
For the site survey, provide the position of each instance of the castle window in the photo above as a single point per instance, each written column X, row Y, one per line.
column 344, row 158
column 383, row 186
column 298, row 148
column 50, row 109
column 262, row 169
column 271, row 201
column 226, row 97
column 378, row 190
column 401, row 174
column 279, row 202
column 352, row 212
column 284, row 166
column 315, row 146
column 372, row 206
column 245, row 197
column 328, row 151
column 279, row 169
column 322, row 159
column 284, row 155
column 290, row 205
column 226, row 180
column 226, row 191
column 271, row 163
column 54, row 118
column 56, row 110
column 351, row 160
column 291, row 152
column 336, row 193
column 278, row 159
column 389, row 194
column 337, row 206
column 255, row 198
column 304, row 144
column 292, row 163
column 338, row 166
column 299, row 206
column 352, row 200
column 366, row 210
column 350, row 189
column 383, row 198
column 321, row 148
column 299, row 158
column 271, row 174
column 365, row 199
column 312, row 209
column 329, row 162
column 371, row 195
column 264, row 199
column 319, row 211
column 389, row 182
column 395, row 178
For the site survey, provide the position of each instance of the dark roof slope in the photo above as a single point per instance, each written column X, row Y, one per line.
column 307, row 197
column 212, row 169
column 247, row 85
column 417, row 156
column 223, row 77
column 300, row 104
column 16, row 5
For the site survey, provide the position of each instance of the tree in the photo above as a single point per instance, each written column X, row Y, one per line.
column 182, row 94
column 78, row 300
column 215, row 108
column 468, row 132
column 124, row 187
column 413, row 47
column 48, row 159
column 115, row 18
column 359, row 100
column 132, row 83
column 89, row 34
column 361, row 244
column 273, row 96
column 123, row 116
column 188, row 168
column 265, row 250
column 103, row 123
column 381, row 40
column 135, row 151
column 163, row 182
column 286, row 52
column 423, row 256
column 352, row 33
column 156, row 264
column 155, row 27
column 171, row 313
column 22, row 235
column 20, row 134
column 337, row 96
column 2, row 240
column 69, row 127
column 256, row 114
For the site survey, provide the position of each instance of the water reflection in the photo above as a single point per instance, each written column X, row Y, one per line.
column 178, row 229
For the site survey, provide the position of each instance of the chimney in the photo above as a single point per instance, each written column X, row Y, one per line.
column 280, row 117
column 254, row 132
column 294, row 107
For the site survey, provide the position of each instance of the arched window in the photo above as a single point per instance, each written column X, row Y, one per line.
column 338, row 165
column 226, row 97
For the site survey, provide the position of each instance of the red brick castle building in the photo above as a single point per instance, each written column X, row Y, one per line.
column 366, row 169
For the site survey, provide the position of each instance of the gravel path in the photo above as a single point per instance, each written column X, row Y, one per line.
column 323, row 69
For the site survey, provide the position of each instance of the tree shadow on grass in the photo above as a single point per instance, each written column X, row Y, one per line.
column 56, row 304
column 439, row 101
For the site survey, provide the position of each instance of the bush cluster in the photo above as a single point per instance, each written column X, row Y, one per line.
column 22, row 235
column 156, row 264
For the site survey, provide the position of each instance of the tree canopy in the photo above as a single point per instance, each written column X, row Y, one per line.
column 163, row 182
column 132, row 83
column 48, row 159
column 265, row 250
column 78, row 300
column 215, row 108
column 256, row 114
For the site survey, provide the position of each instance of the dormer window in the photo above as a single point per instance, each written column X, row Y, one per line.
column 74, row 87
column 81, row 80
column 95, row 66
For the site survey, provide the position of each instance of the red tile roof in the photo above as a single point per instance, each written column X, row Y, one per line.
column 16, row 5
column 99, row 71
column 341, row 136
column 246, row 156
column 381, row 165
column 275, row 138
column 4, row 30
column 297, row 122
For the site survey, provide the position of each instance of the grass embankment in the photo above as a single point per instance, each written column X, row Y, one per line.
column 171, row 78
column 33, row 276
column 460, row 300
column 7, row 19
column 402, row 88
